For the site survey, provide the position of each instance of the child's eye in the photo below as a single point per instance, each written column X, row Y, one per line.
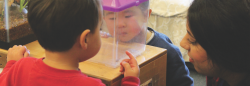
column 111, row 18
column 128, row 16
column 192, row 42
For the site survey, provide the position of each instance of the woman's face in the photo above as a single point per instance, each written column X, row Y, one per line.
column 198, row 56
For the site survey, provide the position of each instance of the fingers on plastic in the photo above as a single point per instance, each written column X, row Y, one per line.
column 121, row 68
column 132, row 61
column 23, row 49
column 125, row 60
column 9, row 49
column 130, row 55
column 126, row 66
column 26, row 54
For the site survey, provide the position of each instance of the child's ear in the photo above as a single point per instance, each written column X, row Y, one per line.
column 149, row 12
column 83, row 39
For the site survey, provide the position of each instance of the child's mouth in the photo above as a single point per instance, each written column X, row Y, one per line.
column 123, row 33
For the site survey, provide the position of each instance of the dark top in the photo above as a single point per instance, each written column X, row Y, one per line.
column 216, row 81
column 177, row 71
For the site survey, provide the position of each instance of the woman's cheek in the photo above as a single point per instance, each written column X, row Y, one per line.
column 199, row 56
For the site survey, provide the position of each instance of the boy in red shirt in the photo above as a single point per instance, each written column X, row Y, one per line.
column 68, row 30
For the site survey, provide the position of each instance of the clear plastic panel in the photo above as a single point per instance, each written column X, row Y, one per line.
column 13, row 20
column 122, row 31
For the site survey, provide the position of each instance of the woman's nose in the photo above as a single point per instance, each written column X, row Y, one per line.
column 184, row 43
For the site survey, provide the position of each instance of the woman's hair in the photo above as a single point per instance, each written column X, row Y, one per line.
column 222, row 28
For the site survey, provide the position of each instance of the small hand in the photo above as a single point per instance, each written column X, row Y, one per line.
column 129, row 67
column 17, row 52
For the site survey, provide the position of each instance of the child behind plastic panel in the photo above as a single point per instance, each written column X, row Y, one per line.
column 131, row 26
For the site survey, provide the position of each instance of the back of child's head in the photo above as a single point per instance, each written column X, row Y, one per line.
column 58, row 23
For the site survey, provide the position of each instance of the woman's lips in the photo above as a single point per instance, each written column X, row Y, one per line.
column 191, row 60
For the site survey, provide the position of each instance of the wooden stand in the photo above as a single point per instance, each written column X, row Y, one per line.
column 152, row 62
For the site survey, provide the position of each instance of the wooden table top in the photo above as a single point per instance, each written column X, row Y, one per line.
column 96, row 69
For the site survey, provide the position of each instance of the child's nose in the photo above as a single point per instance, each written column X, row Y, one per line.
column 120, row 23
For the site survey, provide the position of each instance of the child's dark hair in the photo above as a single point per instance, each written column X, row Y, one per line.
column 58, row 23
column 222, row 28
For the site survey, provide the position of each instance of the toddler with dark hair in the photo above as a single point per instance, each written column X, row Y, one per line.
column 129, row 27
column 68, row 30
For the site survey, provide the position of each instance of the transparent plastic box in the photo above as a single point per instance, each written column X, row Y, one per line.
column 14, row 26
column 124, row 28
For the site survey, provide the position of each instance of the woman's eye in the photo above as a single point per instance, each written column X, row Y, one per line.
column 192, row 42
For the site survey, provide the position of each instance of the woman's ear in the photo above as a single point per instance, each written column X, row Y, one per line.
column 83, row 39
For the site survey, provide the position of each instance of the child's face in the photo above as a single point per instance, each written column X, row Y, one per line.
column 127, row 24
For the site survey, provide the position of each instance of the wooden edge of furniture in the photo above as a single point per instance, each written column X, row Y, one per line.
column 151, row 68
column 3, row 58
column 154, row 68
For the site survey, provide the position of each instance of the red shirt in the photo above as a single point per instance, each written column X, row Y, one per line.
column 33, row 72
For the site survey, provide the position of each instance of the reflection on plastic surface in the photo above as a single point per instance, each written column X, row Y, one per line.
column 112, row 54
